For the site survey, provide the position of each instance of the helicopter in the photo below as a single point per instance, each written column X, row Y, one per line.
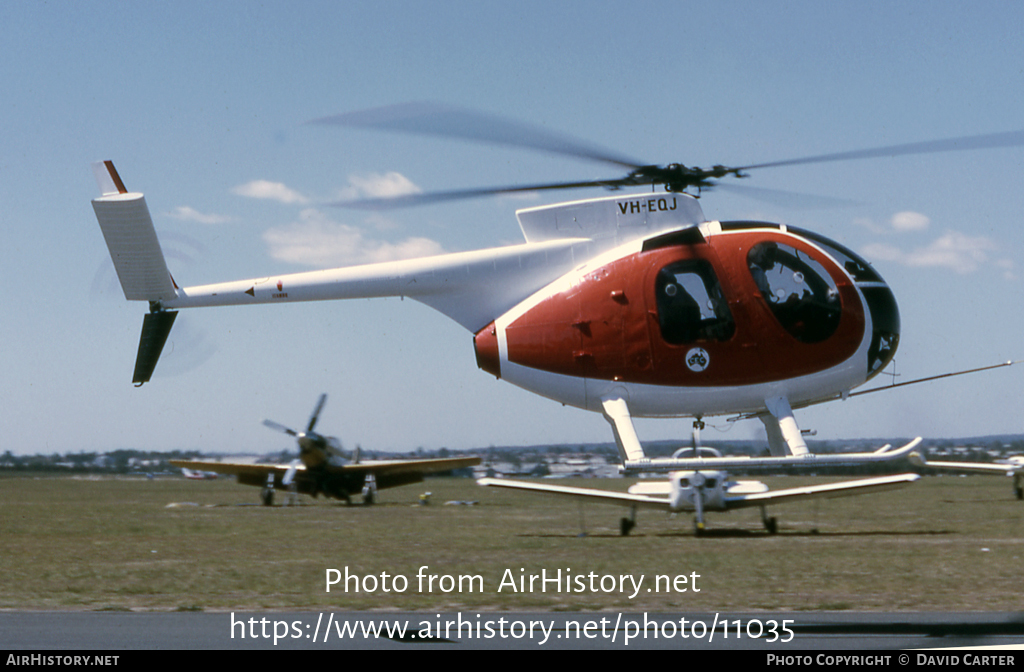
column 629, row 305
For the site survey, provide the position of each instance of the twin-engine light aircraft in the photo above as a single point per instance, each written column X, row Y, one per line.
column 701, row 491
column 631, row 305
column 321, row 468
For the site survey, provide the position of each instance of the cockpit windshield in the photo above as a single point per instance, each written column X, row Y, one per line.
column 859, row 269
column 799, row 291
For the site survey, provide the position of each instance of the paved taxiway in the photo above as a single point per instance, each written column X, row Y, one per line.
column 125, row 631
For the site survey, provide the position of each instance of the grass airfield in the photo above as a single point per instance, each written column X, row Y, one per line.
column 943, row 544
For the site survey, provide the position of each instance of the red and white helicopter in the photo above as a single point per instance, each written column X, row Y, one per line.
column 630, row 305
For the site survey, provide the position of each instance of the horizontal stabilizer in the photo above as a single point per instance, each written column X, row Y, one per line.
column 155, row 329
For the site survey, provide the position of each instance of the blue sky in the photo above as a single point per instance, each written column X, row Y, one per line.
column 201, row 106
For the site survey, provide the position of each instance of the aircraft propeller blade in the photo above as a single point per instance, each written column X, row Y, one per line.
column 289, row 475
column 316, row 412
column 281, row 428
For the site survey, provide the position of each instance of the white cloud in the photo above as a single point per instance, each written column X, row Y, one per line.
column 870, row 225
column 275, row 191
column 192, row 215
column 900, row 222
column 955, row 251
column 910, row 221
column 388, row 185
column 315, row 240
column 370, row 185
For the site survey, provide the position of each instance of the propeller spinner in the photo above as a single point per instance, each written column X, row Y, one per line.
column 313, row 448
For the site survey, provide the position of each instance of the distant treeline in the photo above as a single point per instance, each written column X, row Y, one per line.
column 977, row 449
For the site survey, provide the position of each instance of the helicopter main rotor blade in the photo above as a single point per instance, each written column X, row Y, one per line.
column 455, row 122
column 986, row 141
column 410, row 200
column 786, row 199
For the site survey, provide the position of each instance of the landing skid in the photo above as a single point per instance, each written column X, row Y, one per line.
column 784, row 437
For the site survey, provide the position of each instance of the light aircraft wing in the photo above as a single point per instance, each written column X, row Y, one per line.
column 977, row 467
column 591, row 494
column 974, row 467
column 257, row 469
column 339, row 481
column 377, row 467
column 1014, row 468
column 827, row 491
column 394, row 467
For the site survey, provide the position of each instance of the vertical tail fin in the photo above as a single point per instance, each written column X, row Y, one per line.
column 128, row 229
column 156, row 327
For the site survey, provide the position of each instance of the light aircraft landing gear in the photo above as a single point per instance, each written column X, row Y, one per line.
column 267, row 493
column 770, row 524
column 370, row 490
column 697, row 482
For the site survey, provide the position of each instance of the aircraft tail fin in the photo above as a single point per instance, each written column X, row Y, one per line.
column 138, row 259
column 128, row 229
column 156, row 327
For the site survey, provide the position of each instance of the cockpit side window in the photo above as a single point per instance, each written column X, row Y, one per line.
column 691, row 306
column 799, row 291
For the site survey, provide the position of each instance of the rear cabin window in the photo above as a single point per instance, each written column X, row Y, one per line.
column 691, row 306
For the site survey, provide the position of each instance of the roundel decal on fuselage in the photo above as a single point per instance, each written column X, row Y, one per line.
column 697, row 359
